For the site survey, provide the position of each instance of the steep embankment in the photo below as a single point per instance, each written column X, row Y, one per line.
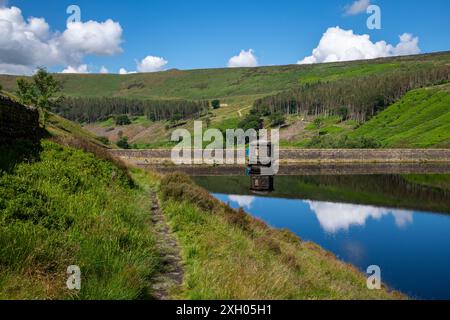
column 420, row 120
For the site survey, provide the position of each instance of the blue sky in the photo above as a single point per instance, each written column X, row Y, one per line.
column 206, row 34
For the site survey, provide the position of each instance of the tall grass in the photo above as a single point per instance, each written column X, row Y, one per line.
column 71, row 208
column 230, row 255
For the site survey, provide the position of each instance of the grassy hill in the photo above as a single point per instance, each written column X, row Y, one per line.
column 238, row 88
column 420, row 120
column 236, row 85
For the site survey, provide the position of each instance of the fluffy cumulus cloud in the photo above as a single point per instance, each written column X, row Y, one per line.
column 148, row 64
column 151, row 64
column 343, row 45
column 357, row 7
column 92, row 37
column 83, row 68
column 244, row 59
column 27, row 43
column 123, row 71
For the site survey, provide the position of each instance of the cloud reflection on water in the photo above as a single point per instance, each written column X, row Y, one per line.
column 335, row 217
column 242, row 201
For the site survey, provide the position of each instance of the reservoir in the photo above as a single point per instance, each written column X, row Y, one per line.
column 399, row 222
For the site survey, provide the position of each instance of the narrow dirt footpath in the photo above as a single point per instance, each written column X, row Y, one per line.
column 170, row 278
column 240, row 111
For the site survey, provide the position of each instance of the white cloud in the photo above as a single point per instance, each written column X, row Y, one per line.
column 123, row 71
column 244, row 59
column 104, row 70
column 334, row 217
column 343, row 45
column 151, row 64
column 357, row 7
column 92, row 37
column 83, row 68
column 242, row 201
column 26, row 44
column 407, row 45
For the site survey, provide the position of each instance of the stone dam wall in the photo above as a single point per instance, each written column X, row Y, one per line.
column 17, row 121
column 313, row 155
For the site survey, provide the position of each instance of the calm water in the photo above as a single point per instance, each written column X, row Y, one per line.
column 399, row 223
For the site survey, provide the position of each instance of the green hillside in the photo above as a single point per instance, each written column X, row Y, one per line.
column 420, row 120
column 238, row 88
column 237, row 85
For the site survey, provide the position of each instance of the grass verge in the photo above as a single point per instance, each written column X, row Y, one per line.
column 230, row 255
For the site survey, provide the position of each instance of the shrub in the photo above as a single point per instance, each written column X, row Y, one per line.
column 215, row 104
column 251, row 121
column 123, row 143
column 318, row 123
column 122, row 120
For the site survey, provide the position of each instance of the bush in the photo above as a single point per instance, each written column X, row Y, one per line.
column 251, row 121
column 123, row 143
column 215, row 104
column 122, row 120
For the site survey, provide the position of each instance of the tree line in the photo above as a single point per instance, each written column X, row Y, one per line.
column 98, row 109
column 357, row 98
